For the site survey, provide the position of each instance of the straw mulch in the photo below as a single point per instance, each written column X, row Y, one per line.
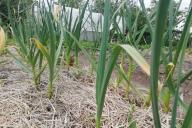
column 73, row 105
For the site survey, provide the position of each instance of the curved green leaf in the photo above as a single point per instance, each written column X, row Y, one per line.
column 187, row 123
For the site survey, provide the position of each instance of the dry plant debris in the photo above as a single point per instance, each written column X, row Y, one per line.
column 73, row 105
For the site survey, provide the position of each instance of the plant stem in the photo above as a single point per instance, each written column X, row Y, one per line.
column 50, row 89
column 50, row 85
column 156, row 52
column 98, row 122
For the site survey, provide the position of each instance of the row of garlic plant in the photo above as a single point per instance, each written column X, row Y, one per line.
column 133, row 37
column 40, row 36
column 30, row 58
column 53, row 47
column 75, row 30
column 158, row 33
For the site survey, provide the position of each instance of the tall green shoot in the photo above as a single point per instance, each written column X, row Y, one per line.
column 29, row 55
column 156, row 52
column 100, row 88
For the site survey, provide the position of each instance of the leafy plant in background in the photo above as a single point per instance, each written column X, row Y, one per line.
column 73, row 26
column 17, row 8
column 68, row 40
column 29, row 55
column 132, row 33
column 77, row 31
column 52, row 49
column 71, row 3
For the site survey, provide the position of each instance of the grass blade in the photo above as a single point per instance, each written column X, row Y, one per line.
column 18, row 61
column 181, row 55
column 156, row 51
column 145, row 13
column 104, row 44
column 188, row 118
column 107, row 75
column 183, row 36
column 101, row 65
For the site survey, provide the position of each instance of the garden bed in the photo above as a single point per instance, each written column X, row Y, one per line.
column 73, row 104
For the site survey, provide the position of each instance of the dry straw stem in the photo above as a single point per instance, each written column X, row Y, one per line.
column 2, row 38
